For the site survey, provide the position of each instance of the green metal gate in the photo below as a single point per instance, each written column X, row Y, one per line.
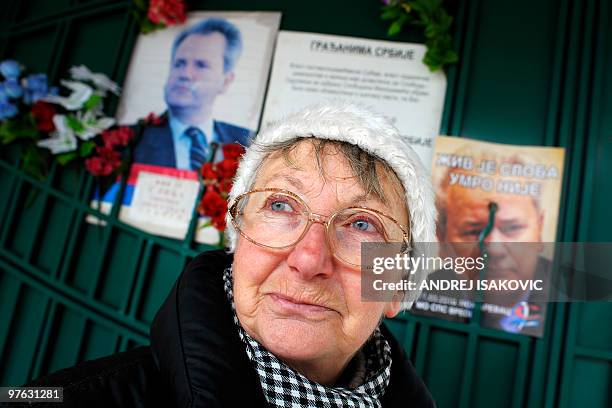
column 535, row 73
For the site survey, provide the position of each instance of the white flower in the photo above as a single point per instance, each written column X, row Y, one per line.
column 92, row 126
column 80, row 94
column 62, row 139
column 102, row 82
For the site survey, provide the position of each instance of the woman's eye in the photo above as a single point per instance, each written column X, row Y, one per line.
column 362, row 225
column 280, row 206
column 366, row 224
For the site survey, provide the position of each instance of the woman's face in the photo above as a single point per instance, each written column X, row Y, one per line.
column 301, row 303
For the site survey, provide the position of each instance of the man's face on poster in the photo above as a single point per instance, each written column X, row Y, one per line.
column 517, row 220
column 197, row 74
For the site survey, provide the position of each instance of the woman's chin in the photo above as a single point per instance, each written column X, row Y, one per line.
column 294, row 339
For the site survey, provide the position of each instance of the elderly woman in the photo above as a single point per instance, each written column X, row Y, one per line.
column 281, row 322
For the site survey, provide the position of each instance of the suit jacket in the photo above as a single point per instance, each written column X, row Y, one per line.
column 157, row 145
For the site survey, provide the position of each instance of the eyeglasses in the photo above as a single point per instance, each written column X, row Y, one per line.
column 277, row 218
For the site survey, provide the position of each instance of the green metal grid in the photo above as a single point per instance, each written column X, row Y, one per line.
column 71, row 291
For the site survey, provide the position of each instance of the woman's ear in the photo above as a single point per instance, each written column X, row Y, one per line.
column 393, row 307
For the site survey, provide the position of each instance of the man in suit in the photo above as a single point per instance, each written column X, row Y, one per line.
column 202, row 67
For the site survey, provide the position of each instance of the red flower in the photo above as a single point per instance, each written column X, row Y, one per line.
column 219, row 221
column 43, row 115
column 225, row 186
column 232, row 151
column 208, row 172
column 107, row 161
column 212, row 204
column 167, row 12
column 117, row 137
column 227, row 168
column 153, row 119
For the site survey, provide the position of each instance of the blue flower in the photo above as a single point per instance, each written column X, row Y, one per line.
column 10, row 69
column 7, row 110
column 12, row 88
column 36, row 87
column 3, row 94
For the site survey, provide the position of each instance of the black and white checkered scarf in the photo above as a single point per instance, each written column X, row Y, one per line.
column 284, row 387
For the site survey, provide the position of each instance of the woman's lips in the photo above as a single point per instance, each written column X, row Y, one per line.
column 289, row 306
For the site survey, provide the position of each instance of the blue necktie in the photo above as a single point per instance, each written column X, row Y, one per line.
column 198, row 152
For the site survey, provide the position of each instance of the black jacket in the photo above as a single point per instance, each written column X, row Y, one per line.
column 196, row 358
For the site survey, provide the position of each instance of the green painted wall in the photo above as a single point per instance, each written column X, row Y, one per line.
column 531, row 72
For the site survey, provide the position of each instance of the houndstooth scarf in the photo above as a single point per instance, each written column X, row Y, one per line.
column 284, row 387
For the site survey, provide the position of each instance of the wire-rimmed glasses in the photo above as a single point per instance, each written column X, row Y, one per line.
column 278, row 218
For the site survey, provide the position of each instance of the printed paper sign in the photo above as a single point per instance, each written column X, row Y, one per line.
column 163, row 204
column 384, row 75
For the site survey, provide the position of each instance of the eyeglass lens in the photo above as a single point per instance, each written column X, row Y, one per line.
column 276, row 219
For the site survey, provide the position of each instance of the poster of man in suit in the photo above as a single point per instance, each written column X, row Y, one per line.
column 508, row 198
column 202, row 64
column 206, row 81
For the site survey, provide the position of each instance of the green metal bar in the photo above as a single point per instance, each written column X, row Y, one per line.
column 96, row 311
column 193, row 222
column 9, row 16
column 6, row 323
column 83, row 335
column 10, row 214
column 452, row 74
column 422, row 347
column 96, row 274
column 85, row 208
column 13, row 192
column 555, row 356
column 37, row 224
column 124, row 54
column 581, row 163
column 456, row 125
column 592, row 353
column 458, row 327
column 569, row 355
column 136, row 281
column 43, row 340
column 568, row 41
column 83, row 10
column 521, row 373
column 584, row 127
column 82, row 196
column 556, row 89
column 468, row 370
column 122, row 344
column 60, row 269
column 410, row 332
column 59, row 44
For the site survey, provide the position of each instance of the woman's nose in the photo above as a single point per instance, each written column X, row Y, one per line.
column 311, row 256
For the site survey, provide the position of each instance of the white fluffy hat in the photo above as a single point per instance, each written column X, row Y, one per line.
column 372, row 132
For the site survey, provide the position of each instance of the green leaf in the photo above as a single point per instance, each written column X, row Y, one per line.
column 92, row 102
column 74, row 123
column 394, row 28
column 141, row 4
column 397, row 25
column 86, row 148
column 432, row 31
column 23, row 127
column 34, row 161
column 66, row 158
column 390, row 14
